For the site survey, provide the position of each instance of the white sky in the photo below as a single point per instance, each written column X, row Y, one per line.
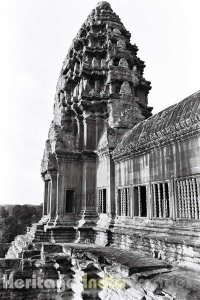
column 35, row 36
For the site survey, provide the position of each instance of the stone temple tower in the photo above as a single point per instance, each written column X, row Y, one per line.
column 101, row 93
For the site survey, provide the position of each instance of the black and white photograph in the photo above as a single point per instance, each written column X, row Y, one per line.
column 100, row 150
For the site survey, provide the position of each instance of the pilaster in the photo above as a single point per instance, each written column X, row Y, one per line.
column 53, row 196
column 89, row 133
column 89, row 184
column 111, row 187
column 45, row 203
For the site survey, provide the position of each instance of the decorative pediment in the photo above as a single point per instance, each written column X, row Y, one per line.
column 116, row 31
column 49, row 161
column 63, row 138
column 95, row 63
column 103, row 63
column 108, row 140
column 121, row 44
column 125, row 88
column 123, row 63
column 129, row 117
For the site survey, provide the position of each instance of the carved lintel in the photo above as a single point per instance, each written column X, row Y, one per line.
column 123, row 63
column 48, row 162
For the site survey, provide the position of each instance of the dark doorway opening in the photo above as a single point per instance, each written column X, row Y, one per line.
column 143, row 201
column 69, row 201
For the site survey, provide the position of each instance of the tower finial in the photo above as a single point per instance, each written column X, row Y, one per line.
column 103, row 4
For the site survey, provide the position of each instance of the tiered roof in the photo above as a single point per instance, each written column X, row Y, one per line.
column 176, row 122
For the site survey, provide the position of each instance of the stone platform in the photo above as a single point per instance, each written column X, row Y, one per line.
column 145, row 277
column 125, row 274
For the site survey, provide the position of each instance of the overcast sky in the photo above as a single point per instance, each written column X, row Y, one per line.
column 35, row 36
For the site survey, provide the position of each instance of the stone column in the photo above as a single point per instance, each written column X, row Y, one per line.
column 45, row 198
column 80, row 139
column 53, row 197
column 117, row 202
column 111, row 186
column 173, row 200
column 89, row 133
column 48, row 196
column 60, row 197
column 99, row 128
column 88, row 205
column 149, row 202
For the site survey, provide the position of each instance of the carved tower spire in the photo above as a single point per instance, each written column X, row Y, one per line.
column 100, row 88
column 101, row 78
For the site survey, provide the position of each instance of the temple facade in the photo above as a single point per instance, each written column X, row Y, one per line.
column 114, row 174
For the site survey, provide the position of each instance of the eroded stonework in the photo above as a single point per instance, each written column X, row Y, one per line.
column 115, row 175
column 121, row 186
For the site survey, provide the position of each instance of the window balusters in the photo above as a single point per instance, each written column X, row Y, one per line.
column 188, row 199
column 161, row 207
column 124, row 202
column 188, row 193
column 102, row 201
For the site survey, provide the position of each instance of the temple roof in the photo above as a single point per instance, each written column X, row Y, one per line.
column 174, row 121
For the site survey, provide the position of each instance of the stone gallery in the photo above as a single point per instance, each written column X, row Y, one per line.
column 114, row 174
